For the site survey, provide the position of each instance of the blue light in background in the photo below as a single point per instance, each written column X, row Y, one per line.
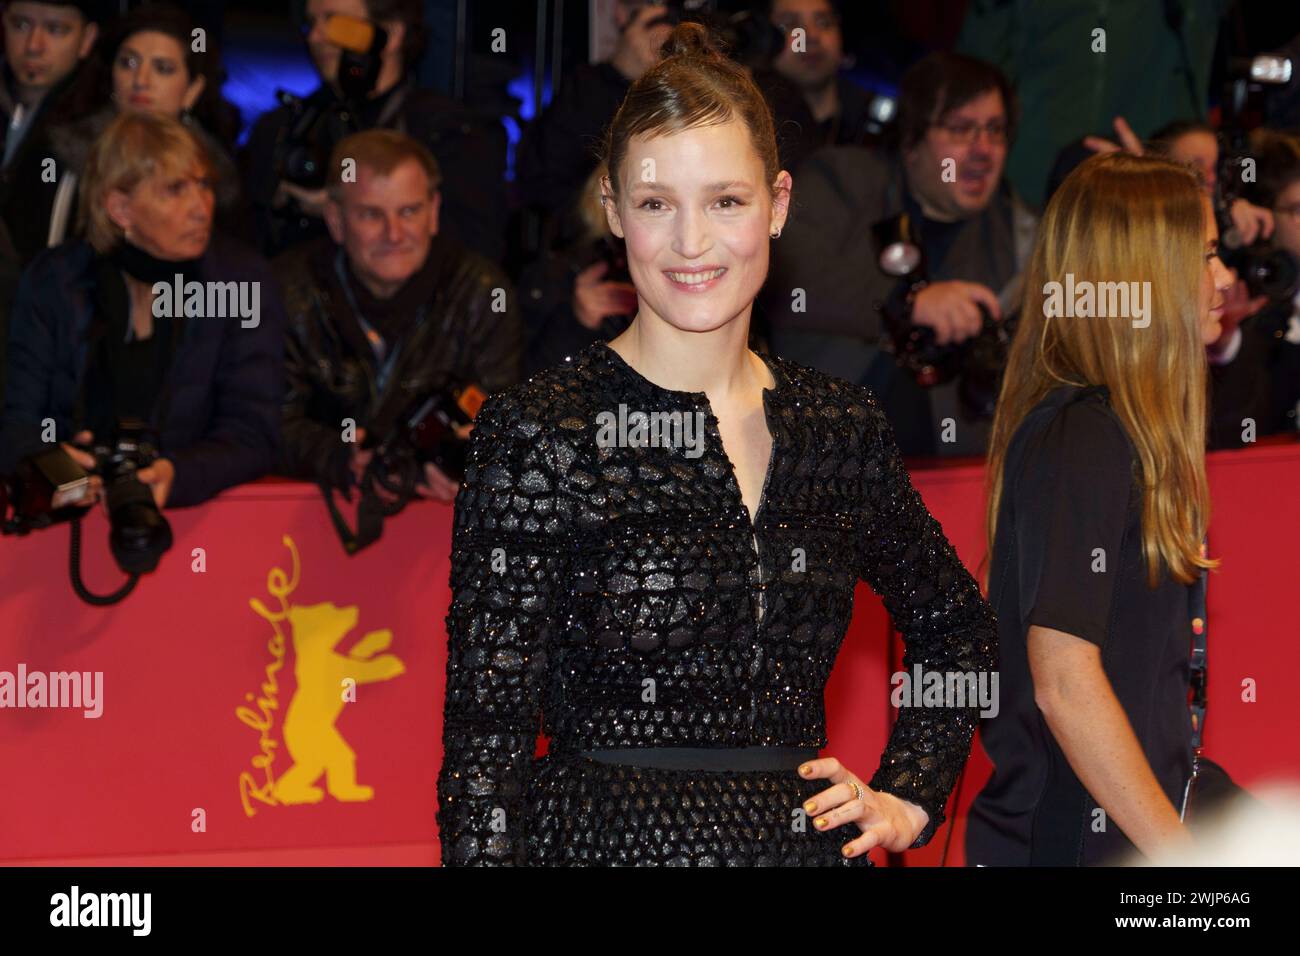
column 256, row 69
column 521, row 88
column 254, row 74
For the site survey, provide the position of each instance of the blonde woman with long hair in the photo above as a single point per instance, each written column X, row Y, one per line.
column 1097, row 509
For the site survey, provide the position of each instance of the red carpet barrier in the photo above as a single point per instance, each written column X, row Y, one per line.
column 217, row 717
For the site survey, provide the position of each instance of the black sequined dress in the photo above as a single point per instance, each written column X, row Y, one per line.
column 618, row 595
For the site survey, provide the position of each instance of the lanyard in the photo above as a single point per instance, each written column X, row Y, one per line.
column 385, row 358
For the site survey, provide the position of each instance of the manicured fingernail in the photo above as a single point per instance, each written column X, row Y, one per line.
column 820, row 821
column 848, row 851
column 809, row 807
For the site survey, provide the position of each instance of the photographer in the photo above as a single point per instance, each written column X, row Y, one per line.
column 1260, row 380
column 956, row 118
column 91, row 345
column 364, row 51
column 383, row 312
column 829, row 109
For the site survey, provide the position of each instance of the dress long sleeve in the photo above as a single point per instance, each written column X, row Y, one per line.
column 946, row 624
column 509, row 567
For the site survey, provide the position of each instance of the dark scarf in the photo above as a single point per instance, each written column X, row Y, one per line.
column 395, row 316
column 126, row 375
column 138, row 264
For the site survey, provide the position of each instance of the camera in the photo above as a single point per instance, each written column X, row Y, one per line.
column 977, row 362
column 303, row 153
column 49, row 487
column 138, row 533
column 426, row 434
column 1266, row 270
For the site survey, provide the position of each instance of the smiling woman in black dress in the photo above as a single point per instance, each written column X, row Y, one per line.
column 671, row 610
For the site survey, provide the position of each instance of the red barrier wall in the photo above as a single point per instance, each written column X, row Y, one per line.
column 196, row 727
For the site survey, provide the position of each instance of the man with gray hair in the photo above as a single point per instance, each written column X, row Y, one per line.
column 384, row 313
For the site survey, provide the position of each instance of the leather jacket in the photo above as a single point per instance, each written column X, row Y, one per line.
column 333, row 374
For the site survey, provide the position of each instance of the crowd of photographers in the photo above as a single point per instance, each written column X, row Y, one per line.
column 345, row 289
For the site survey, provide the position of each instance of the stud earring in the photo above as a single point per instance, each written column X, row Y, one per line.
column 775, row 235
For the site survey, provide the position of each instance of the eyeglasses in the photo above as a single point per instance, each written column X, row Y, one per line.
column 963, row 132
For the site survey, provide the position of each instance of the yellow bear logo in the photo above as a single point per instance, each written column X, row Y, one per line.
column 310, row 736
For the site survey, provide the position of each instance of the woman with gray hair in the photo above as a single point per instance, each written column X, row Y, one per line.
column 150, row 318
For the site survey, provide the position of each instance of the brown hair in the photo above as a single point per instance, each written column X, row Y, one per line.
column 381, row 151
column 134, row 147
column 1278, row 161
column 694, row 84
column 939, row 83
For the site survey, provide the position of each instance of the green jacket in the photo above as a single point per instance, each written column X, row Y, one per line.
column 1155, row 69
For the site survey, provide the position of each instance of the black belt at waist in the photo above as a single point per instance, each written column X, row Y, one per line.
column 706, row 758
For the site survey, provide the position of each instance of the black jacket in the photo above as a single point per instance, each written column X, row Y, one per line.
column 799, row 135
column 584, row 571
column 27, row 185
column 1261, row 383
column 559, row 150
column 331, row 370
column 224, row 383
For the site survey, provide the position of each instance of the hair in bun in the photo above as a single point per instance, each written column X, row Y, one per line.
column 691, row 39
column 695, row 84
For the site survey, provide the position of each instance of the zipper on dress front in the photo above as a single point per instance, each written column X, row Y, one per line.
column 761, row 604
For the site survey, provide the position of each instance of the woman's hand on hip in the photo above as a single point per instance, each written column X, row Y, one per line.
column 885, row 820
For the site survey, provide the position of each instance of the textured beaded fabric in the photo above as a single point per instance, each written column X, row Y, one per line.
column 619, row 595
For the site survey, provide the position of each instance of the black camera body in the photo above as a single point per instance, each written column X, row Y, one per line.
column 49, row 487
column 138, row 534
column 1266, row 270
column 302, row 155
column 977, row 362
column 426, row 434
